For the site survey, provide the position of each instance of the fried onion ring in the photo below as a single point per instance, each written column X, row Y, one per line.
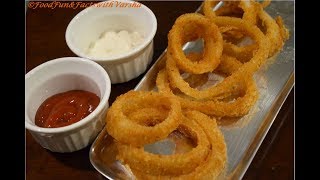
column 228, row 65
column 231, row 83
column 189, row 27
column 124, row 130
column 229, row 7
column 241, row 53
column 148, row 116
column 178, row 82
column 174, row 164
column 283, row 30
column 260, row 56
column 276, row 33
column 265, row 3
column 237, row 108
column 214, row 163
column 273, row 32
column 182, row 105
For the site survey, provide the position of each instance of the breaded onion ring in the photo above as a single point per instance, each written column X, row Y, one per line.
column 265, row 3
column 189, row 27
column 214, row 163
column 283, row 30
column 138, row 118
column 174, row 164
column 242, row 53
column 228, row 65
column 124, row 130
column 231, row 83
column 249, row 14
column 213, row 92
column 237, row 108
column 148, row 116
column 262, row 43
column 273, row 32
column 229, row 7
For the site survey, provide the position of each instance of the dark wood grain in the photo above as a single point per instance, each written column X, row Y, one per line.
column 45, row 40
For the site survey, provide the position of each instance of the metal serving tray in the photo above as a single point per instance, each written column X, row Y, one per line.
column 243, row 137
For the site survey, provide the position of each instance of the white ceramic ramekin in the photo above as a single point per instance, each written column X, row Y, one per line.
column 87, row 26
column 60, row 75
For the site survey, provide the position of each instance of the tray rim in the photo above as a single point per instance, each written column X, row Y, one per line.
column 261, row 132
column 264, row 127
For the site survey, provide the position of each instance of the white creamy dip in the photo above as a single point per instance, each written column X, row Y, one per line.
column 113, row 43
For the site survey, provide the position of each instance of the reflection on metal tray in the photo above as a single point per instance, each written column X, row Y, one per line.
column 244, row 137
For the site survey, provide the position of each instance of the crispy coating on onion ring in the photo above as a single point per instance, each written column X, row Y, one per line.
column 237, row 108
column 231, row 83
column 262, row 43
column 124, row 130
column 283, row 30
column 174, row 164
column 276, row 33
column 249, row 10
column 148, row 116
column 265, row 3
column 241, row 53
column 189, row 27
column 273, row 32
column 138, row 118
column 177, row 81
column 214, row 163
column 228, row 65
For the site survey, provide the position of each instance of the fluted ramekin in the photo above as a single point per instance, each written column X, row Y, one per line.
column 88, row 25
column 60, row 75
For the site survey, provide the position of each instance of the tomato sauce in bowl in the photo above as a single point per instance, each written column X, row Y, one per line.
column 66, row 108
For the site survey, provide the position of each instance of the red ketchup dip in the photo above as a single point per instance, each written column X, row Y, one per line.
column 66, row 108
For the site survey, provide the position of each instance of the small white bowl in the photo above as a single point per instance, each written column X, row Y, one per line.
column 60, row 75
column 88, row 25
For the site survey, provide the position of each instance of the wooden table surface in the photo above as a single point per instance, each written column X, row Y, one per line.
column 45, row 40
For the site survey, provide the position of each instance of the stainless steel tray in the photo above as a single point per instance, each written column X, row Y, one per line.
column 244, row 137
